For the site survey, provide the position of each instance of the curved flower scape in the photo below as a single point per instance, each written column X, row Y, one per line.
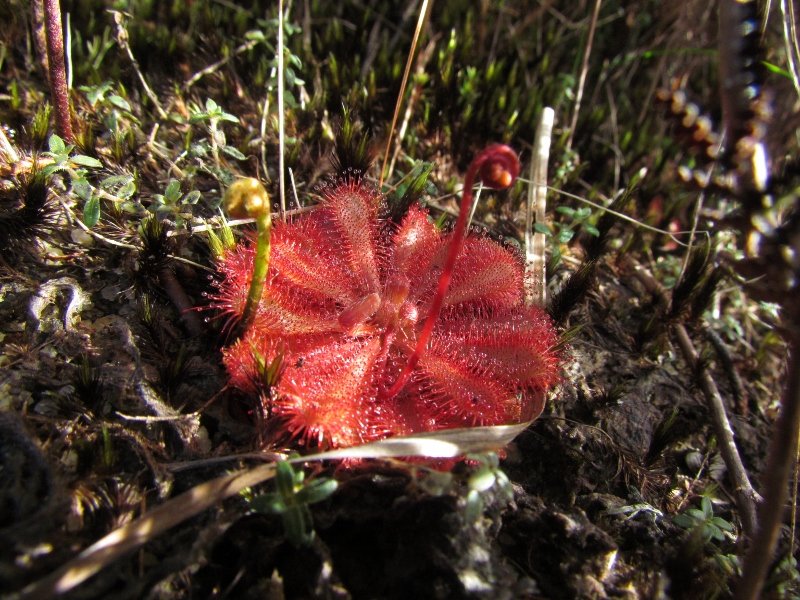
column 346, row 299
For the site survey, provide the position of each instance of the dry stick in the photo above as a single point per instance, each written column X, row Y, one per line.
column 122, row 40
column 181, row 301
column 726, row 361
column 40, row 34
column 213, row 67
column 129, row 537
column 746, row 496
column 584, row 70
column 416, row 93
column 535, row 276
column 281, row 118
column 56, row 69
column 126, row 539
column 779, row 468
column 423, row 17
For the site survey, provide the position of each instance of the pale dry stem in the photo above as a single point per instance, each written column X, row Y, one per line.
column 535, row 276
column 745, row 494
column 782, row 453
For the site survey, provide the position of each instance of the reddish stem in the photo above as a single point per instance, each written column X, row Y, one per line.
column 497, row 166
column 57, row 72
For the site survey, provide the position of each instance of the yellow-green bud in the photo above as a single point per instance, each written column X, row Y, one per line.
column 246, row 197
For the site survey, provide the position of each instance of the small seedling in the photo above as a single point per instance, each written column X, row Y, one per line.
column 212, row 116
column 703, row 522
column 175, row 204
column 487, row 476
column 291, row 500
column 75, row 165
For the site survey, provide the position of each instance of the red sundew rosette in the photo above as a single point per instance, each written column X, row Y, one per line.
column 392, row 331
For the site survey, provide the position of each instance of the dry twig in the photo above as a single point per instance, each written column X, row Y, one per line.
column 745, row 494
column 781, row 461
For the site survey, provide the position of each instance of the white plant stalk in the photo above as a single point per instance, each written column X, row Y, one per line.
column 535, row 276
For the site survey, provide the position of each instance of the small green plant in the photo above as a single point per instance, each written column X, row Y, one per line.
column 212, row 116
column 291, row 499
column 486, row 476
column 117, row 116
column 562, row 232
column 785, row 578
column 64, row 161
column 76, row 166
column 702, row 522
column 175, row 204
column 40, row 124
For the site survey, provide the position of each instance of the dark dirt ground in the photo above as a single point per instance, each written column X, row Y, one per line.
column 109, row 406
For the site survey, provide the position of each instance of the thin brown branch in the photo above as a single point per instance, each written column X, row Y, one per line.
column 746, row 496
column 584, row 71
column 424, row 12
column 776, row 477
column 182, row 302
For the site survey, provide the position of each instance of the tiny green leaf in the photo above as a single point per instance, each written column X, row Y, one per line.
column 482, row 480
column 317, row 490
column 86, row 161
column 565, row 235
column 120, row 102
column 591, row 230
column 56, row 145
column 566, row 210
column 82, row 188
column 269, row 503
column 233, row 152
column 192, row 197
column 91, row 212
column 173, row 192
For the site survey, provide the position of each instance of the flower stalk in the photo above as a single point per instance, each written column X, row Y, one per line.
column 247, row 197
column 497, row 166
column 56, row 69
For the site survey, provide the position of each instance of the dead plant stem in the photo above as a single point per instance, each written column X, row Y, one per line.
column 122, row 40
column 128, row 538
column 745, row 494
column 424, row 11
column 535, row 275
column 775, row 486
column 584, row 71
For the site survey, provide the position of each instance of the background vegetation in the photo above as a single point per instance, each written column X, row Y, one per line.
column 112, row 393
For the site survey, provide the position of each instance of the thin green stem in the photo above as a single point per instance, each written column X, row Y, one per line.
column 260, row 267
